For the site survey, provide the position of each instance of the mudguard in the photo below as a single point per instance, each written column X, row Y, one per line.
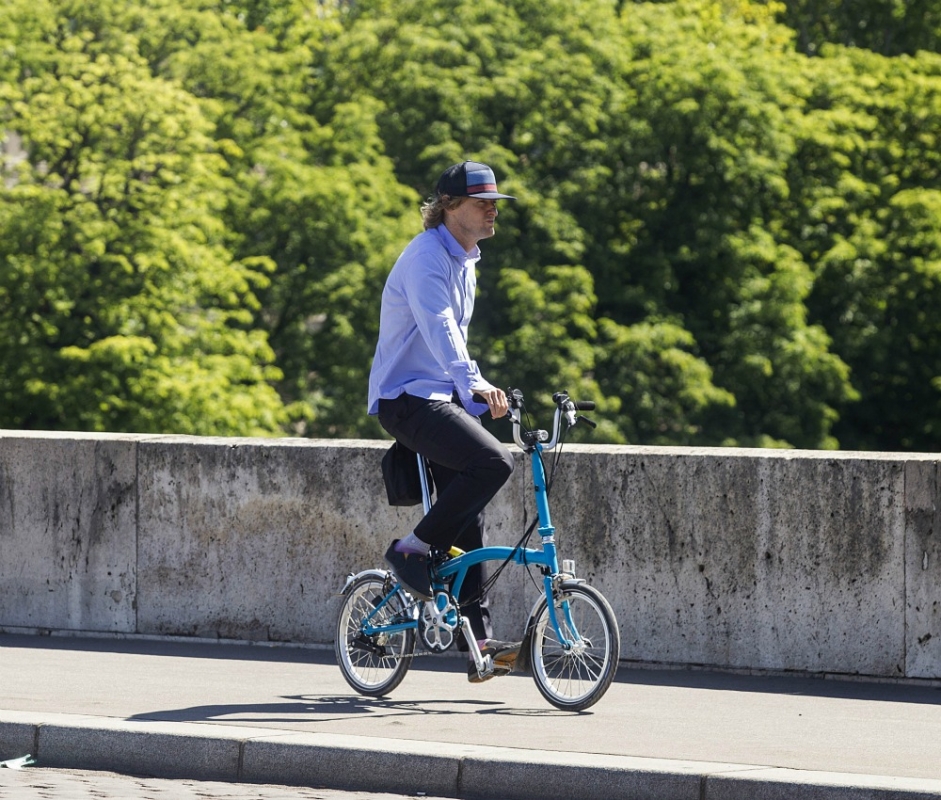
column 381, row 574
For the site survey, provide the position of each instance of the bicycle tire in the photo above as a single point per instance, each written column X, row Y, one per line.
column 577, row 678
column 372, row 665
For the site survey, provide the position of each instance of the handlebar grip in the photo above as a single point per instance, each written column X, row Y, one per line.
column 584, row 405
column 479, row 398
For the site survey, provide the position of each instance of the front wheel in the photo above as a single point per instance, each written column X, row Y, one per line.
column 574, row 670
column 375, row 663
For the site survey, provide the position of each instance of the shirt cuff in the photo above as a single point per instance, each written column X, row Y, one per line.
column 467, row 380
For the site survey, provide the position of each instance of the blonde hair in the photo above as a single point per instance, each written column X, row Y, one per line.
column 432, row 211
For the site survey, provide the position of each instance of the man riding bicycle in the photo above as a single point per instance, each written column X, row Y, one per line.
column 423, row 382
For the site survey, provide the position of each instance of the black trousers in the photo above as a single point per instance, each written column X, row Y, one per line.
column 469, row 465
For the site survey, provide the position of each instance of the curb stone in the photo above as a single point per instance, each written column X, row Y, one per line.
column 204, row 751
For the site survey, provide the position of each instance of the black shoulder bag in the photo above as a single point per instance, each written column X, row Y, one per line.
column 400, row 473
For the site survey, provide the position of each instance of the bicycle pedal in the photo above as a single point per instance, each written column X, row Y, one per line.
column 489, row 671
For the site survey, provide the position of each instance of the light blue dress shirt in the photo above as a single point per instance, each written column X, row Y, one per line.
column 427, row 305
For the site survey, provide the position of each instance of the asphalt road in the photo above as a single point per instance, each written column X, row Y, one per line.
column 281, row 713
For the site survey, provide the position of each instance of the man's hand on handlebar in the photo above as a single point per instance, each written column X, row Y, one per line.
column 496, row 401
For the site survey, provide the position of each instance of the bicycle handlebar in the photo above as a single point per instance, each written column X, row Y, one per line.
column 565, row 408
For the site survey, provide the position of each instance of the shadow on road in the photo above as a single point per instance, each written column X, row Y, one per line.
column 833, row 686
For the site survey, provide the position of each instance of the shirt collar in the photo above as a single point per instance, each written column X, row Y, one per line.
column 454, row 247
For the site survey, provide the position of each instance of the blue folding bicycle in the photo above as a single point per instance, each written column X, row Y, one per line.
column 571, row 641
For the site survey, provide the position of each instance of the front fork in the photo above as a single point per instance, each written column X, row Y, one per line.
column 553, row 577
column 564, row 628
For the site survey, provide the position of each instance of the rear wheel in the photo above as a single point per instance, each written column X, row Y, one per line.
column 574, row 670
column 373, row 664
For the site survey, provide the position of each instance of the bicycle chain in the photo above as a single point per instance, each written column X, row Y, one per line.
column 424, row 652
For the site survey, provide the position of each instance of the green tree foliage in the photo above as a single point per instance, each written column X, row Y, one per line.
column 651, row 151
column 540, row 92
column 889, row 27
column 867, row 158
column 718, row 238
column 122, row 307
column 702, row 237
column 315, row 196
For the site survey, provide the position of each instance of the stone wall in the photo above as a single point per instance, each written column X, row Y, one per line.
column 815, row 562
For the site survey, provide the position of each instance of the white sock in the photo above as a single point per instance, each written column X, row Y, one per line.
column 412, row 544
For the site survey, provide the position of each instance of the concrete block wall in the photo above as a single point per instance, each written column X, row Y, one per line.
column 751, row 559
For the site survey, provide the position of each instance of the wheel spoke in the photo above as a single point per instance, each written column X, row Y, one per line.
column 372, row 664
column 577, row 675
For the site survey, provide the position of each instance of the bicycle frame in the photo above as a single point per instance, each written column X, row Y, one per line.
column 572, row 665
column 455, row 569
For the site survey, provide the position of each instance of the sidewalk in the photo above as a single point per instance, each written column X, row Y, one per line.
column 285, row 715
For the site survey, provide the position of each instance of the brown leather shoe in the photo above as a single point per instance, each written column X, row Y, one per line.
column 504, row 657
